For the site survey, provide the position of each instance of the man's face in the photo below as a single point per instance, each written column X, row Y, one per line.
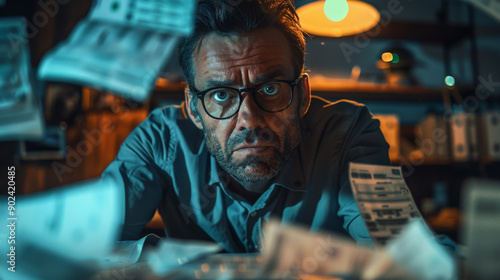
column 253, row 144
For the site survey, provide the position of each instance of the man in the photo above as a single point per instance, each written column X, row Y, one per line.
column 249, row 142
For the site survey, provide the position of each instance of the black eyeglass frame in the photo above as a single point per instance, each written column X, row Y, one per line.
column 292, row 84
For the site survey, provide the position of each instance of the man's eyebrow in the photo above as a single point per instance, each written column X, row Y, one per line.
column 214, row 83
column 270, row 76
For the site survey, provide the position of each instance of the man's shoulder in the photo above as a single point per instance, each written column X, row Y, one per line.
column 164, row 124
column 322, row 110
column 170, row 113
column 168, row 117
column 339, row 106
column 165, row 132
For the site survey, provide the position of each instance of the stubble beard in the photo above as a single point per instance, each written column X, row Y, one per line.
column 253, row 168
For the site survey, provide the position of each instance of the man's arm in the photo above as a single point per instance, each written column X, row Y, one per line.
column 364, row 143
column 135, row 169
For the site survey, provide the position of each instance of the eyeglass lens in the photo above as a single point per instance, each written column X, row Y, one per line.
column 224, row 102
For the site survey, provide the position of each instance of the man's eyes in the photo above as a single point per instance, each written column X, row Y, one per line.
column 220, row 95
column 225, row 94
column 269, row 89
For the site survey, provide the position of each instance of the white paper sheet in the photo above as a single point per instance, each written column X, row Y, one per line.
column 383, row 198
column 418, row 251
column 65, row 232
column 172, row 16
column 122, row 47
column 21, row 115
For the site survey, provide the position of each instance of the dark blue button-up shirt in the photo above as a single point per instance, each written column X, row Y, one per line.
column 164, row 164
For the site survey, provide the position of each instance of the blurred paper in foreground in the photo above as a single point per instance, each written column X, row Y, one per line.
column 418, row 251
column 122, row 46
column 174, row 252
column 21, row 115
column 291, row 251
column 63, row 233
column 480, row 230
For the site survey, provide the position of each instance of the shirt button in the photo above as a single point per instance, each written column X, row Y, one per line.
column 253, row 214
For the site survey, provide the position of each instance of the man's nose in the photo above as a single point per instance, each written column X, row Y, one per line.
column 250, row 116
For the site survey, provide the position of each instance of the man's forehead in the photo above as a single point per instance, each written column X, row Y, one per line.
column 217, row 44
column 266, row 51
column 266, row 40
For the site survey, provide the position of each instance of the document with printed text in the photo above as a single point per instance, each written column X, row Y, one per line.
column 383, row 198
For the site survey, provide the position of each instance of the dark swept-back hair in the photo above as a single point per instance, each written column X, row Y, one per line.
column 230, row 17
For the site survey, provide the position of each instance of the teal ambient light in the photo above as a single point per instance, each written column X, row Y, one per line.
column 395, row 58
column 336, row 10
column 449, row 81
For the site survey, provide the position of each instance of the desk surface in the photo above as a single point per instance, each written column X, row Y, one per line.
column 220, row 266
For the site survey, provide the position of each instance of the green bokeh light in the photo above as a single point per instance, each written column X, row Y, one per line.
column 449, row 81
column 395, row 58
column 336, row 10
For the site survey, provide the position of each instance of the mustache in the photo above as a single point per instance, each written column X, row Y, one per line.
column 251, row 136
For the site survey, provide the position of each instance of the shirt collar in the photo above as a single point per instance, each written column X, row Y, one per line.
column 217, row 175
column 291, row 174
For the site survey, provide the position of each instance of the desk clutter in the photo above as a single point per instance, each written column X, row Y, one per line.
column 64, row 234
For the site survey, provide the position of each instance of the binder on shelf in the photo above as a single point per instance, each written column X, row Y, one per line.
column 473, row 134
column 459, row 139
column 490, row 135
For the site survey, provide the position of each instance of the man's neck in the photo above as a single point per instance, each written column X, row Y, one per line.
column 248, row 190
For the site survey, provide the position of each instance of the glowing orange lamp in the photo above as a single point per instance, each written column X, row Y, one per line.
column 337, row 18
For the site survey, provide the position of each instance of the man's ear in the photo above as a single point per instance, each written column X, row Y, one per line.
column 192, row 115
column 305, row 95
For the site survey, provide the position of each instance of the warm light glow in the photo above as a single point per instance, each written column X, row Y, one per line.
column 205, row 267
column 361, row 17
column 387, row 57
column 336, row 10
column 449, row 81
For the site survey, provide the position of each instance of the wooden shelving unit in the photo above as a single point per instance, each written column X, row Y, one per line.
column 366, row 91
column 427, row 32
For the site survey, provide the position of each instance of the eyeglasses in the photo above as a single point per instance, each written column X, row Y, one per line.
column 224, row 102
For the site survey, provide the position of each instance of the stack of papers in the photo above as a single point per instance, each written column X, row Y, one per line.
column 21, row 116
column 122, row 46
column 291, row 252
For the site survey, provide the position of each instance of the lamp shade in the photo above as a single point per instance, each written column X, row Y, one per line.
column 360, row 18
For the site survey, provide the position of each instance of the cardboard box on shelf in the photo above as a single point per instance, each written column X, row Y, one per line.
column 432, row 136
